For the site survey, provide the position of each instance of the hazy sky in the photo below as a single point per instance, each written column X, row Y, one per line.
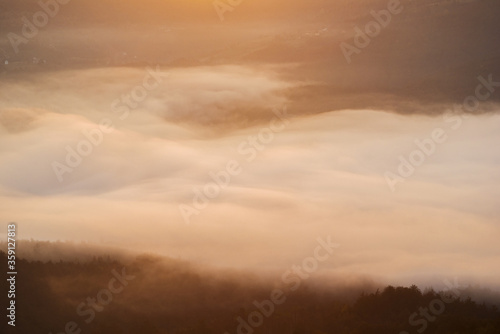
column 319, row 175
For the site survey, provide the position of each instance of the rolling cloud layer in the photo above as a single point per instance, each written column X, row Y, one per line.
column 320, row 174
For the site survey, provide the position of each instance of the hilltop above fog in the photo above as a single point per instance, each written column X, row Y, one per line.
column 156, row 295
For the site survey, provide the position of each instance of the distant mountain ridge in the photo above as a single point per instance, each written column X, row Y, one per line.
column 157, row 296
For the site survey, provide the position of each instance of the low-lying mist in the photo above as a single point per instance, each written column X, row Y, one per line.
column 318, row 174
column 100, row 289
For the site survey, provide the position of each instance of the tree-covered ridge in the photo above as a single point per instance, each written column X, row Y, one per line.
column 173, row 297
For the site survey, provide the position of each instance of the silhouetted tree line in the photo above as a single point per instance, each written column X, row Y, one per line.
column 176, row 298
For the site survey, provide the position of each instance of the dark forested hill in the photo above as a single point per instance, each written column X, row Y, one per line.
column 152, row 295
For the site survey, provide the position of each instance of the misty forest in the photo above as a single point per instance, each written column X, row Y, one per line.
column 249, row 166
column 163, row 295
